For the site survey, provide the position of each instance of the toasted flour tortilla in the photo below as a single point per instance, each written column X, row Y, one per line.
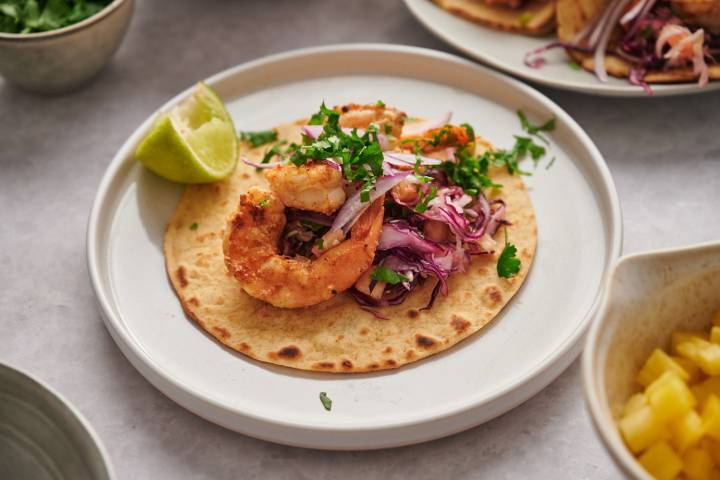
column 335, row 336
column 574, row 15
column 537, row 17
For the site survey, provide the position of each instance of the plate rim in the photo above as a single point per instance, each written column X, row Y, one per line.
column 569, row 346
column 602, row 89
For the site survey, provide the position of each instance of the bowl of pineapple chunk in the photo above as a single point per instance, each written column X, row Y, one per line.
column 651, row 364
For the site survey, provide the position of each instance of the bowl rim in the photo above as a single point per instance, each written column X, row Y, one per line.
column 595, row 401
column 84, row 422
column 67, row 30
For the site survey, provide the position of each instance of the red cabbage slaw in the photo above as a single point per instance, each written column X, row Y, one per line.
column 651, row 38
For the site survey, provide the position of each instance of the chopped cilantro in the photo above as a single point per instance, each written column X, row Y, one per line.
column 257, row 139
column 320, row 244
column 271, row 152
column 535, row 130
column 386, row 275
column 575, row 65
column 360, row 156
column 325, row 400
column 647, row 32
column 194, row 226
column 264, row 203
column 422, row 204
column 380, row 103
column 29, row 16
column 470, row 172
column 508, row 264
column 388, row 129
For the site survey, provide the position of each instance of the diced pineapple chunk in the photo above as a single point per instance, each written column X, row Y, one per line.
column 702, row 390
column 690, row 367
column 715, row 334
column 686, row 431
column 661, row 461
column 669, row 397
column 634, row 403
column 716, row 318
column 711, row 416
column 697, row 464
column 658, row 363
column 685, row 336
column 708, row 359
column 641, row 429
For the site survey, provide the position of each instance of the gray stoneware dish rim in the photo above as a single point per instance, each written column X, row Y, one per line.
column 89, row 430
column 604, row 429
column 70, row 29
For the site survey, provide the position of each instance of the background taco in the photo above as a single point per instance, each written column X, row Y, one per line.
column 529, row 17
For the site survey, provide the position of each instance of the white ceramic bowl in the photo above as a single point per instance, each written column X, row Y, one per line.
column 648, row 296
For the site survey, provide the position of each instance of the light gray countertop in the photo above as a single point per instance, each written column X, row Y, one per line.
column 663, row 153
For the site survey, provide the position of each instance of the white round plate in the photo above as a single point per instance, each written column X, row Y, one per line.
column 525, row 348
column 506, row 51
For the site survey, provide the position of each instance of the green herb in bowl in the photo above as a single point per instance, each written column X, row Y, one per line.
column 30, row 16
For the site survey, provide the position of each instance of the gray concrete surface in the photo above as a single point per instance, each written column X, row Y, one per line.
column 664, row 155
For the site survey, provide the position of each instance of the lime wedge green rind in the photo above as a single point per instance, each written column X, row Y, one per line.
column 193, row 143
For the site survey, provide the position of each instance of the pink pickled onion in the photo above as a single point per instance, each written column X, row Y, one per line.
column 354, row 206
column 408, row 159
column 260, row 165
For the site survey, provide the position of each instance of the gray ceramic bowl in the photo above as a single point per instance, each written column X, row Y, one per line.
column 64, row 59
column 648, row 296
column 42, row 437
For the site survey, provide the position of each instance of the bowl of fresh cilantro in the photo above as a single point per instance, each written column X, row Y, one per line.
column 55, row 46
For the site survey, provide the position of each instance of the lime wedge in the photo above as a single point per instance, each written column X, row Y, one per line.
column 193, row 143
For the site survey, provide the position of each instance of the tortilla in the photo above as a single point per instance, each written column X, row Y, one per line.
column 537, row 17
column 574, row 15
column 335, row 336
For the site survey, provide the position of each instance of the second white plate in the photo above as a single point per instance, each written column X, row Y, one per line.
column 525, row 348
column 506, row 51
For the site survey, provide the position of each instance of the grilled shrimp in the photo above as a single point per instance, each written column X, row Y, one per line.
column 314, row 186
column 251, row 254
column 353, row 115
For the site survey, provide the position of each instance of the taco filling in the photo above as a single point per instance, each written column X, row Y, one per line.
column 647, row 41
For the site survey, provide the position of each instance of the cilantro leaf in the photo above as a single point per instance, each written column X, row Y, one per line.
column 575, row 65
column 257, row 139
column 425, row 198
column 508, row 264
column 386, row 275
column 380, row 103
column 29, row 16
column 325, row 400
column 194, row 226
column 535, row 130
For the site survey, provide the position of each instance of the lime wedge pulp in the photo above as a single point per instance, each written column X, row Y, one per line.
column 195, row 142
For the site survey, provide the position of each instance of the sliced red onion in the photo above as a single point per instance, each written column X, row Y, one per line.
column 633, row 12
column 333, row 164
column 313, row 131
column 260, row 165
column 397, row 233
column 418, row 128
column 408, row 159
column 354, row 206
column 605, row 29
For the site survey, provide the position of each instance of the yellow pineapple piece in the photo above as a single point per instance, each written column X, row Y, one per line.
column 686, row 431
column 658, row 363
column 690, row 367
column 697, row 464
column 634, row 403
column 702, row 390
column 681, row 336
column 715, row 334
column 716, row 318
column 669, row 397
column 711, row 416
column 661, row 461
column 642, row 428
column 708, row 359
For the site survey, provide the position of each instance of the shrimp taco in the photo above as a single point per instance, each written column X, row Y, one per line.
column 529, row 17
column 356, row 241
column 646, row 41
